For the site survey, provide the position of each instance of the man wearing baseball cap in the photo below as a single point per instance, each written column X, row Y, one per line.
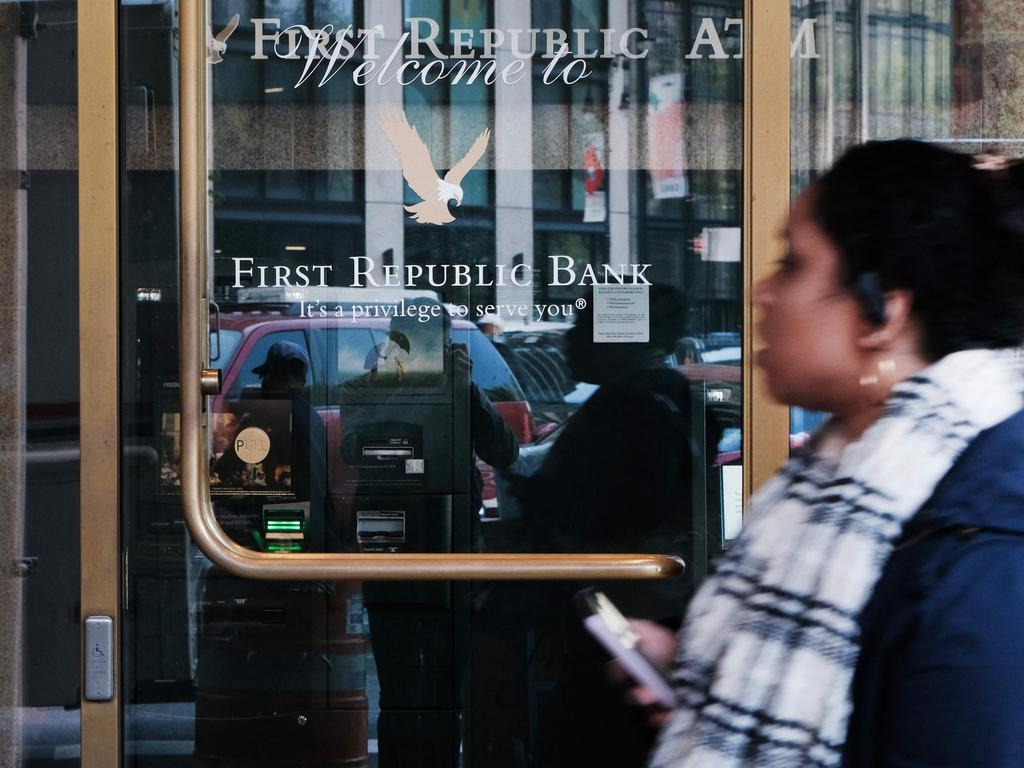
column 284, row 368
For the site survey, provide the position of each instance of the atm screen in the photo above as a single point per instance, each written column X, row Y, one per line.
column 401, row 356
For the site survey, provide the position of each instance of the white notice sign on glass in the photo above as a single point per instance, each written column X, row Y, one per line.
column 622, row 313
column 732, row 501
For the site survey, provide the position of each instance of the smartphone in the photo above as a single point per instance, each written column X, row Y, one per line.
column 607, row 624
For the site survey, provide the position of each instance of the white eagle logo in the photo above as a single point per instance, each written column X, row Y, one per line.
column 419, row 170
column 216, row 46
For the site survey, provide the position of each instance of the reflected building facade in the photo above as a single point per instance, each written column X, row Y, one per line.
column 570, row 170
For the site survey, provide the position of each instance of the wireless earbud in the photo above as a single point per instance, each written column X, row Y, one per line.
column 869, row 291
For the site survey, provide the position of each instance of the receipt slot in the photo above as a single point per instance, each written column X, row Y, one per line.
column 98, row 679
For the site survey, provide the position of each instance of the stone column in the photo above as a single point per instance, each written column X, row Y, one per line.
column 1003, row 80
column 13, row 242
column 621, row 246
column 385, row 217
column 513, row 159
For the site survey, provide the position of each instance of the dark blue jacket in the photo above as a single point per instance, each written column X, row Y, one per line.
column 940, row 681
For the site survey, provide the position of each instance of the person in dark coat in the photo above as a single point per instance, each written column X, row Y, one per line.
column 295, row 465
column 942, row 667
column 491, row 439
column 871, row 613
column 619, row 478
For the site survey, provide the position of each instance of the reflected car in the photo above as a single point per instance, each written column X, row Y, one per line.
column 536, row 355
column 241, row 338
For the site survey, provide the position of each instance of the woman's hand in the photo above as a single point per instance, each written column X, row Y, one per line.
column 658, row 644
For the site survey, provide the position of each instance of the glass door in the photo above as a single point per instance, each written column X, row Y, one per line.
column 470, row 293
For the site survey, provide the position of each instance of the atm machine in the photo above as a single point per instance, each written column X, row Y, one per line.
column 405, row 442
column 282, row 665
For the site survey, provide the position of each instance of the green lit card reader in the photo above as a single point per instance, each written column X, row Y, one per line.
column 285, row 527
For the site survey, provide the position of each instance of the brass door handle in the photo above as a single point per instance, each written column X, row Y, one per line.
column 209, row 381
column 196, row 381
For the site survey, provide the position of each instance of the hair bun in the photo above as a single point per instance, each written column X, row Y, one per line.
column 947, row 226
column 1004, row 180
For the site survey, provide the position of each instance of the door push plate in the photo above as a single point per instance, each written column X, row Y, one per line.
column 98, row 682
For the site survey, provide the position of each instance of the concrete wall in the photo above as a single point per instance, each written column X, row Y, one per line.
column 13, row 219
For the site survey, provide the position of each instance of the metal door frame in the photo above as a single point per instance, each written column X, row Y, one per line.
column 98, row 203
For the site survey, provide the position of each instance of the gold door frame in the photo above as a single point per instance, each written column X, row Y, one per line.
column 765, row 203
column 98, row 201
column 766, row 145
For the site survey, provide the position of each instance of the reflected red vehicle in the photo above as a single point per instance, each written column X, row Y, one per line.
column 240, row 341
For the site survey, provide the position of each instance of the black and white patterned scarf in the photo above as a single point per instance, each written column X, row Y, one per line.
column 769, row 645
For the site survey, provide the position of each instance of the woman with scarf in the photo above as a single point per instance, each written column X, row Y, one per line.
column 872, row 611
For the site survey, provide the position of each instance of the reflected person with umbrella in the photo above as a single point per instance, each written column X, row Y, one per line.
column 384, row 350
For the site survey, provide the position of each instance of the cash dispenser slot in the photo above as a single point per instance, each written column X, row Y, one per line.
column 380, row 528
column 386, row 452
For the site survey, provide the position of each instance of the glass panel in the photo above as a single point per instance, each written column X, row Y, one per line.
column 285, row 9
column 159, row 624
column 946, row 72
column 425, row 9
column 39, row 376
column 547, row 14
column 411, row 363
column 589, row 15
column 339, row 13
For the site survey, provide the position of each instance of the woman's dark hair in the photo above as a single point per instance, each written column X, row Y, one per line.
column 910, row 215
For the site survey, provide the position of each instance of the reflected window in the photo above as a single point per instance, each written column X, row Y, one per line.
column 334, row 185
column 285, row 185
column 426, row 9
column 340, row 13
column 285, row 9
column 490, row 371
column 221, row 11
column 473, row 15
column 240, row 79
column 569, row 14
